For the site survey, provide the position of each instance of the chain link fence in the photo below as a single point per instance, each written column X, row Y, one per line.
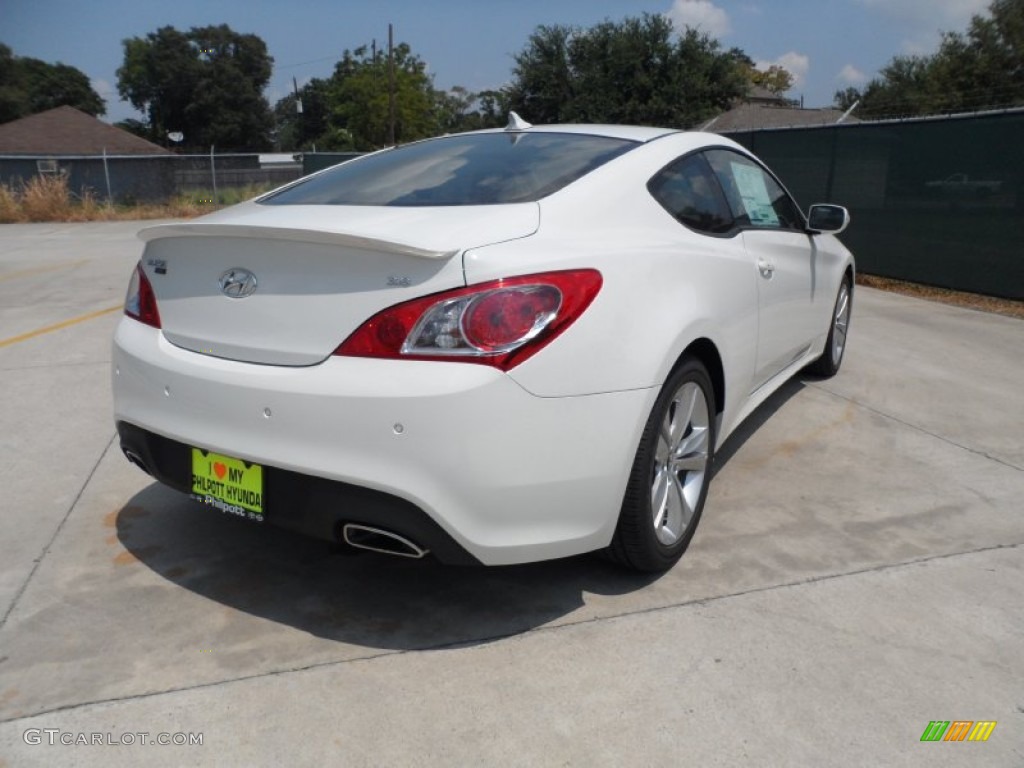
column 130, row 179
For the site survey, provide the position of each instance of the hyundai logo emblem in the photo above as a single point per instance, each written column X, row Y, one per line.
column 237, row 283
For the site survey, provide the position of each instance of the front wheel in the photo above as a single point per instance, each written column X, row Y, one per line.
column 835, row 345
column 671, row 471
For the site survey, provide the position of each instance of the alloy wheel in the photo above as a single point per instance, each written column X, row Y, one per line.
column 680, row 463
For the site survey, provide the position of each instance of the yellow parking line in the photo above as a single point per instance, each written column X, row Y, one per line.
column 58, row 326
column 43, row 269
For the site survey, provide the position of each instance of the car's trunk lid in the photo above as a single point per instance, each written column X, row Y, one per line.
column 319, row 271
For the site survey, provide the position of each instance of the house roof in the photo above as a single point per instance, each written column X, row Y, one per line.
column 760, row 95
column 68, row 131
column 753, row 117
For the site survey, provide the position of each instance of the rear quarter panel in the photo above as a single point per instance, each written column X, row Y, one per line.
column 664, row 285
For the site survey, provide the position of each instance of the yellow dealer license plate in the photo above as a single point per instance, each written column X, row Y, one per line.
column 229, row 484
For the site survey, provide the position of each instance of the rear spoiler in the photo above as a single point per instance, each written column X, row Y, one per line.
column 343, row 239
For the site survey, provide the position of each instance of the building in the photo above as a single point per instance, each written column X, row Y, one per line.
column 763, row 109
column 91, row 154
column 68, row 131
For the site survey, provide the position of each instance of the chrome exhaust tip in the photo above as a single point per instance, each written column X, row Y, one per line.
column 135, row 459
column 380, row 540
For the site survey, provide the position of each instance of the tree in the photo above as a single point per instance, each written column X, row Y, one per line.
column 206, row 83
column 159, row 75
column 907, row 86
column 134, row 126
column 543, row 84
column 13, row 98
column 846, row 98
column 301, row 130
column 775, row 79
column 459, row 109
column 634, row 71
column 452, row 110
column 982, row 68
column 711, row 80
column 359, row 104
column 28, row 86
column 493, row 107
column 350, row 109
column 228, row 106
column 994, row 46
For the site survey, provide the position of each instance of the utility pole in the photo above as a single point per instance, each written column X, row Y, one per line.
column 391, row 86
column 376, row 74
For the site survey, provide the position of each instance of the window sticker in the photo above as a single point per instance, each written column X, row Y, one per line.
column 756, row 200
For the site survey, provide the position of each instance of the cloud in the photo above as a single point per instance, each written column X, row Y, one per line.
column 797, row 64
column 103, row 88
column 850, row 75
column 931, row 15
column 702, row 15
column 924, row 46
column 925, row 19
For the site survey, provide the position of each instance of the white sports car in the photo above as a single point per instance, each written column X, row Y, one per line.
column 495, row 347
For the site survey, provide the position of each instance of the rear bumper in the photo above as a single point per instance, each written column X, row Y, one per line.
column 310, row 505
column 457, row 457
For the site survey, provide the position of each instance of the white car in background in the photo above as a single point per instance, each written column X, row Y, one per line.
column 495, row 347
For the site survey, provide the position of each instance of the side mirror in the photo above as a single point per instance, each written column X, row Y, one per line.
column 827, row 219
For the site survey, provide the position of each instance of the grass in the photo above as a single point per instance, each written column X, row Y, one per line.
column 48, row 198
column 1008, row 307
column 10, row 207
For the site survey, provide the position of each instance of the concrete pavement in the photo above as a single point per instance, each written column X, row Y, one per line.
column 856, row 575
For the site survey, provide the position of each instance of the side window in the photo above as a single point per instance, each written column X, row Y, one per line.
column 689, row 191
column 755, row 198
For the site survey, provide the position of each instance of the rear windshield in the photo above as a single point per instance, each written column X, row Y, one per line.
column 475, row 169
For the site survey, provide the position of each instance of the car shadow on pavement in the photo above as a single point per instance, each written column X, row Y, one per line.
column 367, row 599
column 760, row 417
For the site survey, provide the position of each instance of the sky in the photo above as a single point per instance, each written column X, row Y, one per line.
column 826, row 44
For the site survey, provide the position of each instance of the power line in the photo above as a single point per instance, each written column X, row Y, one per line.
column 311, row 61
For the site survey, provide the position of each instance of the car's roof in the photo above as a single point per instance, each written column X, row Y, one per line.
column 629, row 132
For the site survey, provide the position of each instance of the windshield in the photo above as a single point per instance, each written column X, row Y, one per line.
column 472, row 169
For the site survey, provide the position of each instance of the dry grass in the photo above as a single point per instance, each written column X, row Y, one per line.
column 10, row 207
column 88, row 208
column 48, row 198
column 1009, row 307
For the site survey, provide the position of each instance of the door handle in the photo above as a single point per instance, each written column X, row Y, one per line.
column 766, row 268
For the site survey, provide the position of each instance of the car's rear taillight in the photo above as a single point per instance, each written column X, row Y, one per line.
column 500, row 323
column 140, row 303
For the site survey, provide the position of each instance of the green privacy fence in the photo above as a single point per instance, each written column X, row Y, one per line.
column 936, row 201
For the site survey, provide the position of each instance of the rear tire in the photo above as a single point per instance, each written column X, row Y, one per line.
column 835, row 345
column 671, row 472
